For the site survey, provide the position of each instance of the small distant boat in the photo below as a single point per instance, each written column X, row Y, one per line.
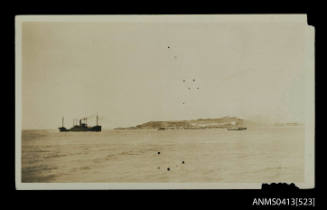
column 161, row 129
column 82, row 126
column 237, row 129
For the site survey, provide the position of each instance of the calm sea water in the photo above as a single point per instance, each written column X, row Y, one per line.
column 274, row 154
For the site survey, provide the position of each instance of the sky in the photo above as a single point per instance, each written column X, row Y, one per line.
column 133, row 72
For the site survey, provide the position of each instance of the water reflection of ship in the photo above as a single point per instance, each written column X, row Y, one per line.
column 82, row 126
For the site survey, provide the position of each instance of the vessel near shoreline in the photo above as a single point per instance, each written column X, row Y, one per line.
column 82, row 126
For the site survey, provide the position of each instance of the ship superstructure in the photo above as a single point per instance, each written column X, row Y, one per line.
column 81, row 125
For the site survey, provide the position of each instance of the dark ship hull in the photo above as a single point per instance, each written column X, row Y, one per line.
column 62, row 129
column 96, row 128
column 81, row 128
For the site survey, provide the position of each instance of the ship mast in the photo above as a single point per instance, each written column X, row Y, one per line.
column 97, row 118
column 62, row 122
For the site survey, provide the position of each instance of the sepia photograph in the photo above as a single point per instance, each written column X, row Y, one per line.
column 164, row 101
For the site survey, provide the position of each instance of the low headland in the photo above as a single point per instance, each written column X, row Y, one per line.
column 224, row 122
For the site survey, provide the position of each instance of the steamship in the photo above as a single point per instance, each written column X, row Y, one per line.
column 81, row 126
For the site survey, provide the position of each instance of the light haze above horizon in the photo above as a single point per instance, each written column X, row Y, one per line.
column 132, row 72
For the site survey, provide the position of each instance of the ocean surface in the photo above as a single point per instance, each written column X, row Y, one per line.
column 260, row 154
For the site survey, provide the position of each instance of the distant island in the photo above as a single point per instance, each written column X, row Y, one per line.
column 224, row 122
